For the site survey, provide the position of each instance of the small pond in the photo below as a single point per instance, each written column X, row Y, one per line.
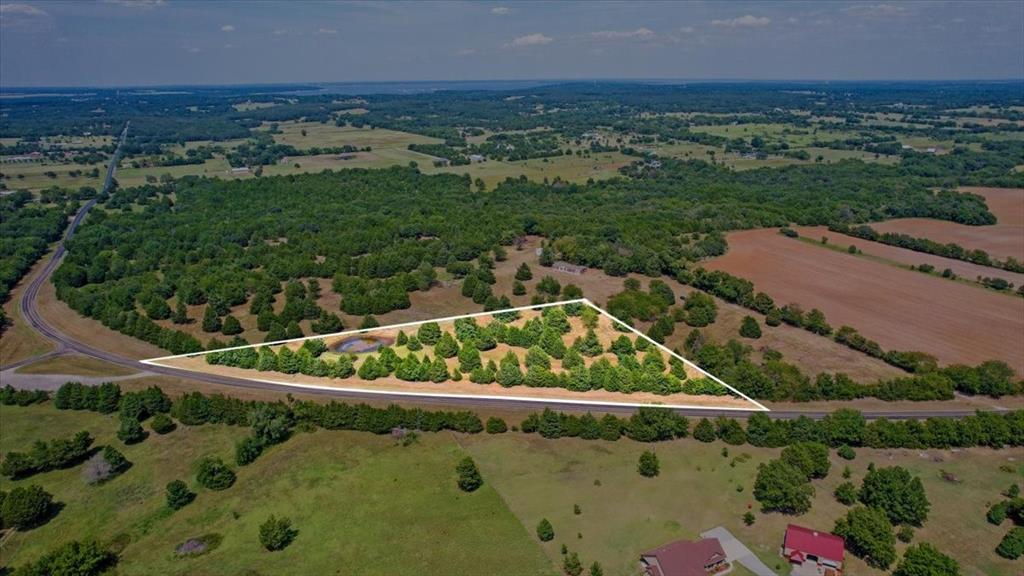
column 361, row 344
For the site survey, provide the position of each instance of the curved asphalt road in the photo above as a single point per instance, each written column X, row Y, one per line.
column 67, row 344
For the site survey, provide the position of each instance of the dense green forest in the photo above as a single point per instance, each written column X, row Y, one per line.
column 27, row 228
column 380, row 233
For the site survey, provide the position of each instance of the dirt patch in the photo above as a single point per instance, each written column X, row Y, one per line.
column 902, row 310
column 75, row 365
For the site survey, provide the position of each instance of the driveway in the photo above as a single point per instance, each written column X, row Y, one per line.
column 736, row 551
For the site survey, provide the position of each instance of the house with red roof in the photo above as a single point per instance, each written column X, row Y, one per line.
column 812, row 552
column 685, row 558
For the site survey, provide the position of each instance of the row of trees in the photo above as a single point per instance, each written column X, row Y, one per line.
column 841, row 428
column 949, row 250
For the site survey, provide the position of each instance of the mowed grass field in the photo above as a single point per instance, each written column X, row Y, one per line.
column 901, row 309
column 32, row 175
column 623, row 514
column 362, row 504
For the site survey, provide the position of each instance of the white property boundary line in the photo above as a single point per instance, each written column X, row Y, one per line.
column 761, row 407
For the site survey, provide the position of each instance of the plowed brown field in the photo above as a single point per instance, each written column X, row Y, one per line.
column 1001, row 240
column 902, row 310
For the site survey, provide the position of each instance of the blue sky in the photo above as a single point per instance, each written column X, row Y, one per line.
column 159, row 42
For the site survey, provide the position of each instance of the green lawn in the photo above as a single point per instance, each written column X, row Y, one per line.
column 362, row 505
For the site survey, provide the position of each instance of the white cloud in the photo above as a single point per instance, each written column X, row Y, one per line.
column 875, row 10
column 687, row 29
column 327, row 31
column 638, row 34
column 466, row 52
column 280, row 32
column 537, row 39
column 193, row 50
column 136, row 3
column 501, row 10
column 227, row 28
column 747, row 21
column 21, row 10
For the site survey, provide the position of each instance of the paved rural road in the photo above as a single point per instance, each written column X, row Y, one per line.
column 65, row 343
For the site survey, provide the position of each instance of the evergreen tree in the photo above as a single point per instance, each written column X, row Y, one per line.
column 180, row 315
column 231, row 326
column 749, row 328
column 649, row 466
column 276, row 533
column 469, row 476
column 545, row 532
column 178, row 495
column 446, row 346
column 469, row 358
column 523, row 273
column 211, row 322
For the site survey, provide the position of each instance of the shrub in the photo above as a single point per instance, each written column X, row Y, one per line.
column 704, row 431
column 215, row 474
column 846, row 493
column 72, row 559
column 905, row 534
column 748, row 518
column 178, row 495
column 997, row 513
column 131, row 431
column 749, row 328
column 26, row 507
column 248, row 450
column 925, row 559
column 809, row 457
column 648, row 466
column 162, row 424
column 496, row 426
column 469, row 476
column 277, row 533
column 1011, row 546
column 846, row 453
column 545, row 532
column 571, row 564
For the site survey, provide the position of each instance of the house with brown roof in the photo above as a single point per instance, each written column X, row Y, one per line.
column 685, row 558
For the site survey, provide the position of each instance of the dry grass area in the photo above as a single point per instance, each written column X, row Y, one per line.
column 900, row 309
column 20, row 341
column 1001, row 240
column 604, row 330
column 75, row 365
column 90, row 331
column 32, row 176
column 322, row 135
column 623, row 514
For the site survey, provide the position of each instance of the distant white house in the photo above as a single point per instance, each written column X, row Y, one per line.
column 477, row 158
column 240, row 170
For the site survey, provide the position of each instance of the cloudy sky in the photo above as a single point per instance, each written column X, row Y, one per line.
column 159, row 42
